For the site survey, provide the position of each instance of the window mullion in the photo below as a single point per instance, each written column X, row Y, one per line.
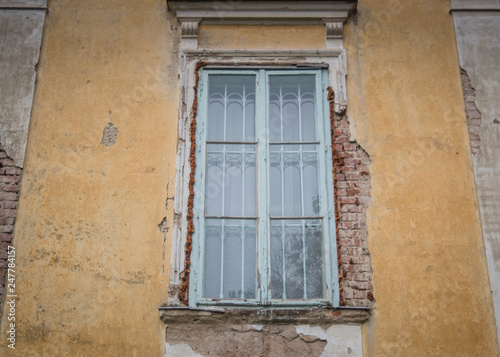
column 263, row 182
column 326, row 172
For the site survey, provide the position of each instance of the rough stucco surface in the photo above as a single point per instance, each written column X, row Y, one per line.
column 405, row 99
column 91, row 269
column 263, row 340
column 20, row 39
column 479, row 51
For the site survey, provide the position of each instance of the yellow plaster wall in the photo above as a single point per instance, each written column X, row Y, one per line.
column 430, row 279
column 90, row 263
column 261, row 37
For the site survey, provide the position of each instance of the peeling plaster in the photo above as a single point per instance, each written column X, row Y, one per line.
column 242, row 340
column 342, row 340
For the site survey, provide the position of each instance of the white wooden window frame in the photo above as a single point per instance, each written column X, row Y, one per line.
column 263, row 221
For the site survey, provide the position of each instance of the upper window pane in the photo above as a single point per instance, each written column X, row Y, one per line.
column 294, row 189
column 231, row 108
column 291, row 108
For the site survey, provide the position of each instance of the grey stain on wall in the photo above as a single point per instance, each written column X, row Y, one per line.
column 109, row 135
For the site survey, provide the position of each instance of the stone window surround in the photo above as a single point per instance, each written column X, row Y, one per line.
column 190, row 14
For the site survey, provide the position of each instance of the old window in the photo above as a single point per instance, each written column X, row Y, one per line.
column 263, row 207
column 259, row 228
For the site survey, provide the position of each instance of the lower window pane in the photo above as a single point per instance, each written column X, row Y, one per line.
column 230, row 259
column 297, row 269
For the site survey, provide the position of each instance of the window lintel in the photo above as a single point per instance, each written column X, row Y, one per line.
column 331, row 13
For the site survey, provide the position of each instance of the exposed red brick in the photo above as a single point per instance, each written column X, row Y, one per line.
column 10, row 178
column 352, row 198
column 184, row 291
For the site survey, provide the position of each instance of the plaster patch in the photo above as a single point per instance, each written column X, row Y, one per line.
column 257, row 327
column 311, row 331
column 180, row 350
column 342, row 340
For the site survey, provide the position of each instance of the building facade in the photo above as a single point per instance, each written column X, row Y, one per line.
column 249, row 178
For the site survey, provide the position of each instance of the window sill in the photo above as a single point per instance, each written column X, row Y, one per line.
column 311, row 316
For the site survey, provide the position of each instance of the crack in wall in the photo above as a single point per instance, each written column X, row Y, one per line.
column 472, row 113
column 164, row 227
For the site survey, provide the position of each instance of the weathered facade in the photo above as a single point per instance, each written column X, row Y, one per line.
column 100, row 176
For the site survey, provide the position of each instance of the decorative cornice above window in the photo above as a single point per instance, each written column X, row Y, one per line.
column 331, row 13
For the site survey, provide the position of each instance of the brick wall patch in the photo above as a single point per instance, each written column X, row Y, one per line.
column 352, row 198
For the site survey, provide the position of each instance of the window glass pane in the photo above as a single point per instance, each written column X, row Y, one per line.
column 297, row 269
column 314, row 260
column 231, row 108
column 294, row 180
column 212, row 271
column 231, row 180
column 291, row 108
column 230, row 246
column 250, row 261
column 230, row 259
